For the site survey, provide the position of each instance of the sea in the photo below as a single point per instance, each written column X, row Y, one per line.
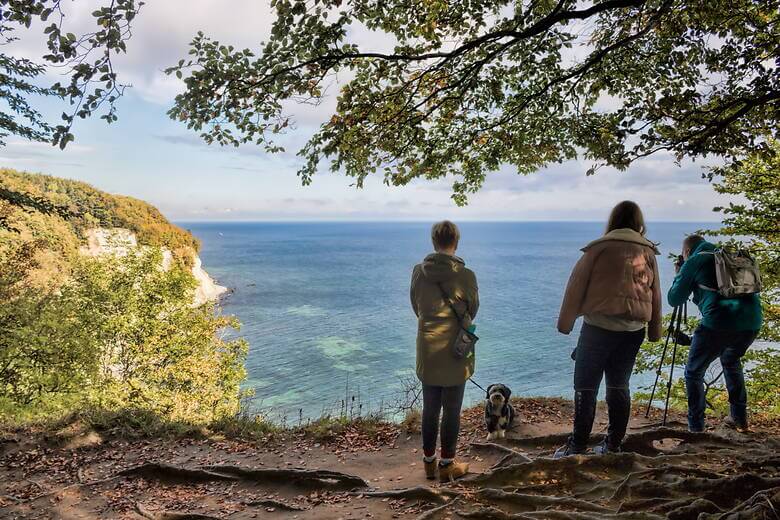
column 325, row 306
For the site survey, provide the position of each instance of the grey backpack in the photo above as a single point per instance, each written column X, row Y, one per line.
column 737, row 274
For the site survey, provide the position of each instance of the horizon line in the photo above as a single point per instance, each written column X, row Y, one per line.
column 413, row 221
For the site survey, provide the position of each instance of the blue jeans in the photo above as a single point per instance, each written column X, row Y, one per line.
column 707, row 345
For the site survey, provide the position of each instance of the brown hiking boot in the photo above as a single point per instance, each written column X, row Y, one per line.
column 430, row 469
column 452, row 471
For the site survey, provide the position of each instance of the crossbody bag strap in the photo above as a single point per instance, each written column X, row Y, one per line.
column 448, row 301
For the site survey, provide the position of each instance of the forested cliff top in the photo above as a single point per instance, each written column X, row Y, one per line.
column 60, row 211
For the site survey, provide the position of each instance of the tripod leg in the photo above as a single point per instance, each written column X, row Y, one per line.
column 671, row 368
column 661, row 361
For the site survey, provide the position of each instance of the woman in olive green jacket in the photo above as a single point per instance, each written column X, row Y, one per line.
column 442, row 278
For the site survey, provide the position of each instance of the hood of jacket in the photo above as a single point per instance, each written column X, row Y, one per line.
column 702, row 247
column 624, row 235
column 440, row 267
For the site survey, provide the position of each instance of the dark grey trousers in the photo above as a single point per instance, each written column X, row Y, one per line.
column 445, row 401
column 603, row 353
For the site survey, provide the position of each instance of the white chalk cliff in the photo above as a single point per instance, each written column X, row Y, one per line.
column 118, row 241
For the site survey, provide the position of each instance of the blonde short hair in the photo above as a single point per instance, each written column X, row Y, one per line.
column 445, row 234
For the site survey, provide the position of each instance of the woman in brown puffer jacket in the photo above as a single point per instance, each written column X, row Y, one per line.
column 615, row 286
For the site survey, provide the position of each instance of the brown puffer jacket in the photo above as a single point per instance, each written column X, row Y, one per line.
column 617, row 276
column 437, row 325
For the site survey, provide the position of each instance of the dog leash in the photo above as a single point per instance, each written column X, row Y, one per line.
column 478, row 385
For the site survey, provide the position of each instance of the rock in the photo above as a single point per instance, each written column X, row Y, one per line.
column 120, row 242
column 116, row 241
column 208, row 289
column 90, row 438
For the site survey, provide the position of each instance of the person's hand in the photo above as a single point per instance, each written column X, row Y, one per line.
column 678, row 264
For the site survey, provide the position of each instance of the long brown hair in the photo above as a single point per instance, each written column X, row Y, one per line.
column 626, row 214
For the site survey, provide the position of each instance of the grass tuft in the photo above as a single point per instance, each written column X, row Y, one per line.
column 412, row 421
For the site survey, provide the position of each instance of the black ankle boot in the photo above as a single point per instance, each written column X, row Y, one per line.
column 619, row 405
column 584, row 413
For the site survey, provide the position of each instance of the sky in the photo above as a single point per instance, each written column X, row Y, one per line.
column 148, row 156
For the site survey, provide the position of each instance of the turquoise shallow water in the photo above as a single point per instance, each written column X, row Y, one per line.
column 325, row 306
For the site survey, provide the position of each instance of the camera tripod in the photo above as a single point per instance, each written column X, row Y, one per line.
column 679, row 314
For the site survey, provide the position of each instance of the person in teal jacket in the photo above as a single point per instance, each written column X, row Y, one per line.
column 727, row 329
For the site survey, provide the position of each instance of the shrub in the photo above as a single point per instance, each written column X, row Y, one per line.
column 121, row 333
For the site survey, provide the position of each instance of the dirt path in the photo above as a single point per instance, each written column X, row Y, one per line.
column 358, row 474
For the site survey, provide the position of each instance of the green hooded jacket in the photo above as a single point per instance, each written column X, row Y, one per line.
column 718, row 313
column 437, row 324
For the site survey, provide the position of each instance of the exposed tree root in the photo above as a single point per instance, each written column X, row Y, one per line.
column 647, row 504
column 696, row 476
column 487, row 513
column 725, row 491
column 510, row 460
column 299, row 477
column 642, row 442
column 764, row 504
column 760, row 464
column 493, row 513
column 570, row 470
column 500, row 448
column 171, row 515
column 691, row 477
column 535, row 502
column 171, row 473
column 693, row 509
column 438, row 510
column 510, row 456
column 548, row 441
column 275, row 504
column 414, row 493
column 635, row 483
column 565, row 515
column 652, row 426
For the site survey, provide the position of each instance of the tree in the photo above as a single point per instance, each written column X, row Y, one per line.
column 755, row 182
column 86, row 60
column 43, row 350
column 157, row 351
column 464, row 87
column 120, row 333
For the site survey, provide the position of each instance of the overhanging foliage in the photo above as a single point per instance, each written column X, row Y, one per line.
column 465, row 87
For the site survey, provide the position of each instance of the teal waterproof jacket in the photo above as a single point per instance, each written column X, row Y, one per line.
column 718, row 313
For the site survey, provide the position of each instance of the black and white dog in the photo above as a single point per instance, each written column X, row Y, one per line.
column 499, row 414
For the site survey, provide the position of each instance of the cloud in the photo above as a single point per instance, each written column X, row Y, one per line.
column 186, row 139
column 37, row 149
column 37, row 156
column 196, row 141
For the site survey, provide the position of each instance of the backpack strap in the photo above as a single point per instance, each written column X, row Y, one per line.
column 702, row 286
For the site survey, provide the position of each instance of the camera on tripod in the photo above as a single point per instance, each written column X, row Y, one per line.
column 683, row 339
